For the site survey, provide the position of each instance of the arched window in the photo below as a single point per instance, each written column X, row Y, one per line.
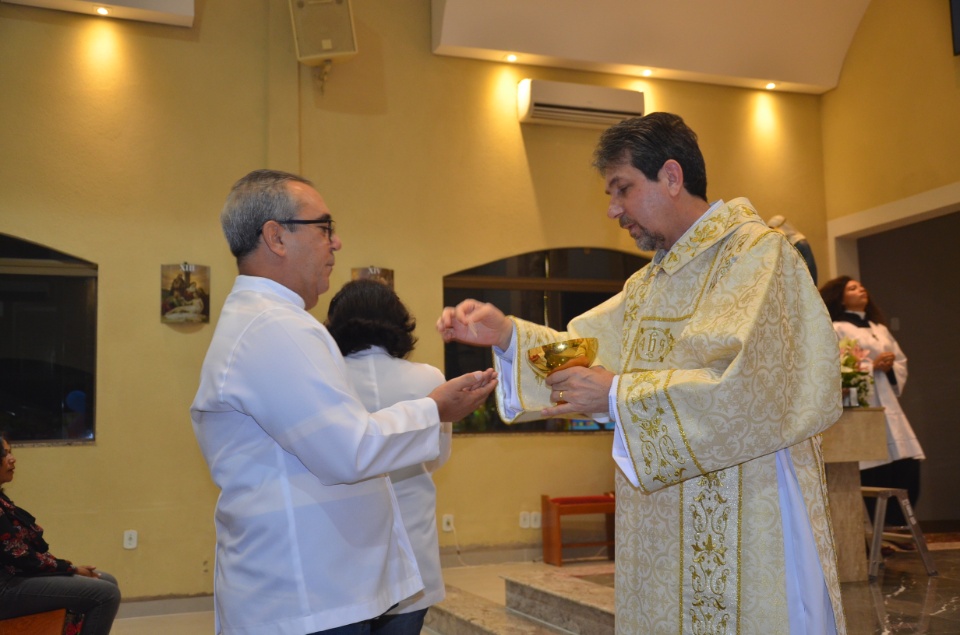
column 547, row 287
column 48, row 343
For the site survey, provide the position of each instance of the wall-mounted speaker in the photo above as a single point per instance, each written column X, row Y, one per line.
column 322, row 30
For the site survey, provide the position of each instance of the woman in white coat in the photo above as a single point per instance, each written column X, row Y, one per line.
column 374, row 331
column 856, row 316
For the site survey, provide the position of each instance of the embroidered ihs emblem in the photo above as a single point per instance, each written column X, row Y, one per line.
column 654, row 344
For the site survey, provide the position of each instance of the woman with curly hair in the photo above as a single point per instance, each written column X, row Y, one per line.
column 374, row 331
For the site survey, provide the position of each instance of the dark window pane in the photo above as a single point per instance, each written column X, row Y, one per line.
column 47, row 344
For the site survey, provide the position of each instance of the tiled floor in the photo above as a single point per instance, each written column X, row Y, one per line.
column 905, row 600
column 199, row 623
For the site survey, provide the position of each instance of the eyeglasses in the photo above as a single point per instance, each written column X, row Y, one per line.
column 325, row 224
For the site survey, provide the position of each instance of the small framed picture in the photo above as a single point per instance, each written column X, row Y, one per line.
column 184, row 293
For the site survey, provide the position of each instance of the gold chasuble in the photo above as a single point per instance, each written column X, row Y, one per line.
column 725, row 355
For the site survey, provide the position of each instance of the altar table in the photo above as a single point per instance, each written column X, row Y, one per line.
column 859, row 435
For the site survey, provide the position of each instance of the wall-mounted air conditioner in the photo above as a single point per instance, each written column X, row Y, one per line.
column 561, row 103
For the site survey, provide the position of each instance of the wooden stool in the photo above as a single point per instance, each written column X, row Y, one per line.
column 49, row 623
column 554, row 508
column 876, row 531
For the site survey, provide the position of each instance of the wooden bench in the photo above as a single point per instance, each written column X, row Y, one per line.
column 553, row 509
column 49, row 623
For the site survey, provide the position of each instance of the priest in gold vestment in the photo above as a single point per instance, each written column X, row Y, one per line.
column 719, row 365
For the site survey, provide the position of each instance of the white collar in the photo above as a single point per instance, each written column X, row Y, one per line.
column 268, row 285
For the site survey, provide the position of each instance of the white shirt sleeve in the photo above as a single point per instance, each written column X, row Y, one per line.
column 620, row 455
column 506, row 357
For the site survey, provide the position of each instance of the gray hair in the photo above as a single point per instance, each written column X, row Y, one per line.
column 258, row 197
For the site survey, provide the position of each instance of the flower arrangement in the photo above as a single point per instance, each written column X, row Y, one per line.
column 854, row 379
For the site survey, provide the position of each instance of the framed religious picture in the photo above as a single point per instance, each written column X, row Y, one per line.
column 377, row 273
column 184, row 293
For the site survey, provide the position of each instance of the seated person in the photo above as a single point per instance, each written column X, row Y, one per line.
column 32, row 580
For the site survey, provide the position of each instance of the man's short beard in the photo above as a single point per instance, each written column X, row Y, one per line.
column 651, row 241
column 648, row 241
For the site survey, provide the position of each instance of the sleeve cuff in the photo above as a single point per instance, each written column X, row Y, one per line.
column 620, row 454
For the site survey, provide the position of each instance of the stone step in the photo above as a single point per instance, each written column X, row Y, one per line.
column 577, row 600
column 463, row 613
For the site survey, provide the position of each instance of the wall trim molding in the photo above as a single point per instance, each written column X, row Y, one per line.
column 843, row 232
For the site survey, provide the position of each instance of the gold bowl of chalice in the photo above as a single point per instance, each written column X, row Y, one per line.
column 556, row 356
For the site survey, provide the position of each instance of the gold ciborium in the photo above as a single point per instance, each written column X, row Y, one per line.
column 556, row 356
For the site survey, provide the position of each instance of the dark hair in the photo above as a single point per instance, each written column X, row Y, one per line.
column 258, row 197
column 650, row 141
column 832, row 293
column 3, row 451
column 367, row 313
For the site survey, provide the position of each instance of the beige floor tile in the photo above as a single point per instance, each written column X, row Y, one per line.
column 176, row 624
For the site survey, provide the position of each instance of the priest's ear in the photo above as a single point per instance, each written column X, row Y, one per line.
column 672, row 175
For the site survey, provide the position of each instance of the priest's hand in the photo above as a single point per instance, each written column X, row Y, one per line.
column 585, row 390
column 475, row 323
column 462, row 395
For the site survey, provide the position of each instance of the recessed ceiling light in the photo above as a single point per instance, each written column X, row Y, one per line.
column 771, row 86
column 103, row 11
column 647, row 73
column 510, row 57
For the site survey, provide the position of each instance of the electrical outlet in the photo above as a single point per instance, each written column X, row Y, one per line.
column 524, row 520
column 446, row 523
column 130, row 539
column 534, row 520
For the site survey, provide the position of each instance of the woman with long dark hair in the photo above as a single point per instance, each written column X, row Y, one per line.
column 857, row 317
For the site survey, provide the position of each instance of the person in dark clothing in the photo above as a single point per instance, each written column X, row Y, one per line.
column 32, row 580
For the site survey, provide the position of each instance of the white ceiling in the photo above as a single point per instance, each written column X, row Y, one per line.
column 799, row 44
column 175, row 12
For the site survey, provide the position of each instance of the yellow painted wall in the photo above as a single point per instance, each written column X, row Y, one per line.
column 892, row 127
column 119, row 141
